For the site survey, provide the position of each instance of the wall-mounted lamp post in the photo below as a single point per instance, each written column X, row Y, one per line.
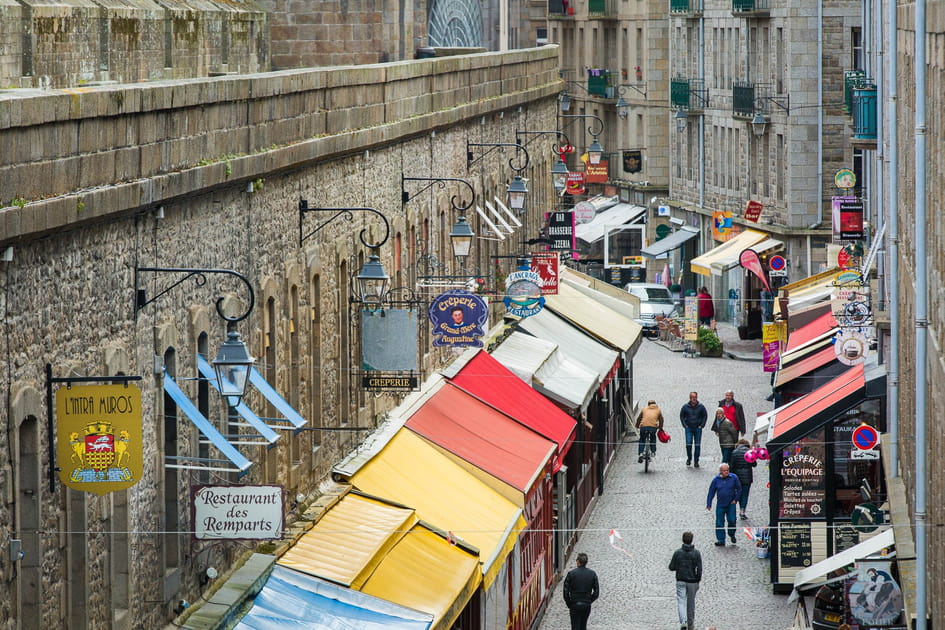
column 461, row 238
column 517, row 190
column 760, row 121
column 758, row 124
column 595, row 151
column 233, row 361
column 623, row 106
column 559, row 173
column 372, row 280
column 680, row 117
column 564, row 99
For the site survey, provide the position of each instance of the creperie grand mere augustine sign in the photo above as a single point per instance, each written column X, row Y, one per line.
column 238, row 512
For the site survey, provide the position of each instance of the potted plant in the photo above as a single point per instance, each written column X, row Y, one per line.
column 708, row 343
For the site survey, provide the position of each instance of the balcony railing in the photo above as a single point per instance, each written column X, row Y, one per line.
column 600, row 83
column 743, row 99
column 741, row 7
column 864, row 111
column 601, row 9
column 690, row 94
column 851, row 79
column 686, row 7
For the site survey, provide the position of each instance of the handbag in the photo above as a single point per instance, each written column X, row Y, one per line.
column 663, row 436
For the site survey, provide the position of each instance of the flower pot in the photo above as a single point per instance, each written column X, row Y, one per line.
column 700, row 348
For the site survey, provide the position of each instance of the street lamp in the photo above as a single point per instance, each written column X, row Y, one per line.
column 758, row 124
column 373, row 281
column 517, row 189
column 680, row 117
column 594, row 152
column 461, row 238
column 565, row 100
column 622, row 106
column 517, row 192
column 233, row 363
column 559, row 174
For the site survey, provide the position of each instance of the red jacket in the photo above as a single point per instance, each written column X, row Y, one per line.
column 706, row 308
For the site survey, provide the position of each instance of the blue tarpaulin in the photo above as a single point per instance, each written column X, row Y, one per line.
column 291, row 599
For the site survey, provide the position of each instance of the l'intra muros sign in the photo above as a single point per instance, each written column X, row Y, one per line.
column 238, row 512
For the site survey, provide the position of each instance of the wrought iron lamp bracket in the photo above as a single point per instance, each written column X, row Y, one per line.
column 200, row 278
column 470, row 160
column 563, row 140
column 347, row 213
column 406, row 196
column 590, row 128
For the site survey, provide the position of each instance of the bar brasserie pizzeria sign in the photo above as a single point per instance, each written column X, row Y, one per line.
column 238, row 512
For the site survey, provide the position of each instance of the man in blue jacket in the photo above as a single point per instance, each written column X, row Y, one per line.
column 726, row 489
column 693, row 416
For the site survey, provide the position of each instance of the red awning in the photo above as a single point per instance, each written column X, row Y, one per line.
column 490, row 440
column 809, row 332
column 491, row 382
column 808, row 364
column 819, row 400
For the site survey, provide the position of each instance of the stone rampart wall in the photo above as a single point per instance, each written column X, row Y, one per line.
column 74, row 42
column 209, row 174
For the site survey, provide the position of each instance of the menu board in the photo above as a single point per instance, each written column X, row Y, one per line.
column 844, row 537
column 794, row 545
column 803, row 480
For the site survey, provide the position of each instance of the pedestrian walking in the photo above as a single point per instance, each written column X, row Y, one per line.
column 580, row 591
column 705, row 307
column 742, row 467
column 693, row 416
column 734, row 411
column 725, row 489
column 687, row 563
column 649, row 422
column 727, row 434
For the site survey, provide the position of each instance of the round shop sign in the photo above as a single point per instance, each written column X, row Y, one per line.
column 458, row 318
column 851, row 347
column 583, row 212
column 844, row 179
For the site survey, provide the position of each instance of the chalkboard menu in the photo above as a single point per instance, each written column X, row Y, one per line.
column 794, row 545
column 803, row 479
column 844, row 537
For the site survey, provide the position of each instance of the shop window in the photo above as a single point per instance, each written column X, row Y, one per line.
column 849, row 474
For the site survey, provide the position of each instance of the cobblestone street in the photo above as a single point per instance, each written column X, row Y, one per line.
column 650, row 511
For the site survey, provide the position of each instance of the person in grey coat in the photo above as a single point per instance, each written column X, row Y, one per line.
column 742, row 469
column 687, row 563
column 727, row 433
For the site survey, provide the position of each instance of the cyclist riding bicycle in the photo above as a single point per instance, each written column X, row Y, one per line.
column 649, row 422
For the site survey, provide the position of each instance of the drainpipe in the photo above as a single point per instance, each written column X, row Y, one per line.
column 702, row 117
column 892, row 233
column 921, row 316
column 820, row 126
column 880, row 155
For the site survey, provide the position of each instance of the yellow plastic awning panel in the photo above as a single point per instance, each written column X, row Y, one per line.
column 425, row 572
column 412, row 472
column 349, row 540
column 725, row 256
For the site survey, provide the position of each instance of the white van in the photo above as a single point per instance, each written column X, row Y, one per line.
column 655, row 299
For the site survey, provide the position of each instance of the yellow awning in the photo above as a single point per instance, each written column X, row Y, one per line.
column 346, row 544
column 725, row 256
column 590, row 315
column 425, row 572
column 411, row 472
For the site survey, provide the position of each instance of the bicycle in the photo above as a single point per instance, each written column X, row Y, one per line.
column 647, row 456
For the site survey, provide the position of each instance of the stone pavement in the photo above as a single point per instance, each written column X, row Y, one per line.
column 651, row 510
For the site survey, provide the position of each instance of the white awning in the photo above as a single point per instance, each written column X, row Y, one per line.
column 577, row 346
column 670, row 242
column 725, row 256
column 618, row 215
column 815, row 575
column 540, row 364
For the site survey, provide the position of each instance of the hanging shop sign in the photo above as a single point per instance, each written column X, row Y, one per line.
column 546, row 265
column 574, row 184
column 844, row 179
column 770, row 347
column 632, row 161
column 753, row 211
column 851, row 347
column 459, row 319
column 850, row 255
column 875, row 598
column 561, row 231
column 237, row 512
column 523, row 296
column 389, row 349
column 99, row 437
column 847, row 215
column 722, row 225
column 597, row 173
column 803, row 487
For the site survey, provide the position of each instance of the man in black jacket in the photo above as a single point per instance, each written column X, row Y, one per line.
column 687, row 563
column 580, row 591
column 693, row 416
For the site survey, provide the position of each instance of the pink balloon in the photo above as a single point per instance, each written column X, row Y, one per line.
column 763, row 453
column 750, row 457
